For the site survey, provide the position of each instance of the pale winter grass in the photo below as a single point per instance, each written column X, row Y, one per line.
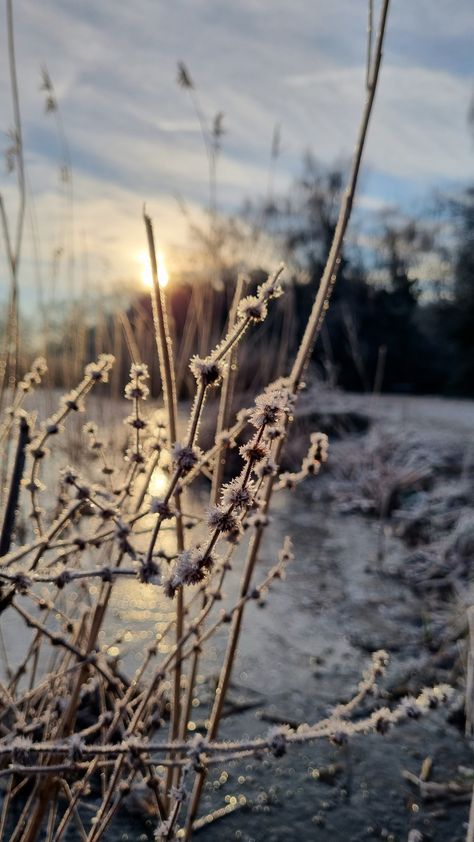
column 108, row 520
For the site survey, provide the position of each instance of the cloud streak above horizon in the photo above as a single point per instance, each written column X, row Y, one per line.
column 133, row 135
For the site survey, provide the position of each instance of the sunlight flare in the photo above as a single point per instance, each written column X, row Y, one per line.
column 146, row 274
column 159, row 483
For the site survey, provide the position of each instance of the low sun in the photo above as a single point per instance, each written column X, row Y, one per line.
column 146, row 275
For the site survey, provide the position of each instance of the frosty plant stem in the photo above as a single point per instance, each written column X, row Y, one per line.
column 165, row 355
column 219, row 460
column 323, row 296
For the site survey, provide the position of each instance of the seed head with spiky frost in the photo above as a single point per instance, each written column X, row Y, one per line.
column 136, row 390
column 160, row 507
column 33, row 485
column 222, row 519
column 184, row 457
column 270, row 408
column 72, row 401
column 277, row 738
column 99, row 371
column 190, row 569
column 266, row 469
column 90, row 429
column 39, row 366
column 139, row 371
column 253, row 308
column 207, row 371
column 236, row 493
column 37, row 450
column 254, row 450
column 271, row 288
column 136, row 423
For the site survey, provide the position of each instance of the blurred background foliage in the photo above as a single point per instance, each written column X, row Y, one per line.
column 401, row 316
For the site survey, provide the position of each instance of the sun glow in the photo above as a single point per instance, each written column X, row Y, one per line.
column 146, row 274
column 159, row 483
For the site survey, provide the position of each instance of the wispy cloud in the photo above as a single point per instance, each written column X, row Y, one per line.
column 133, row 135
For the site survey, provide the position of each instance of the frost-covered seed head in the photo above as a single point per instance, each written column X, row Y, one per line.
column 197, row 747
column 222, row 519
column 21, row 583
column 275, row 433
column 63, row 579
column 39, row 366
column 254, row 450
column 184, row 457
column 136, row 423
column 159, row 507
column 33, row 485
column 139, row 371
column 190, row 569
column 224, row 439
column 271, row 288
column 68, row 475
column 72, row 402
column 170, row 586
column 149, row 572
column 411, row 709
column 270, row 408
column 259, row 520
column 286, row 552
column 99, row 371
column 277, row 739
column 207, row 371
column 134, row 456
column 37, row 450
column 83, row 491
column 136, row 391
column 267, row 469
column 235, row 493
column 253, row 308
column 122, row 530
column 383, row 723
column 233, row 536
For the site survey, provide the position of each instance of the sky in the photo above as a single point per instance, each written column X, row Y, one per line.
column 133, row 136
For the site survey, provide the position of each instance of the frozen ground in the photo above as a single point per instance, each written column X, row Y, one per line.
column 306, row 649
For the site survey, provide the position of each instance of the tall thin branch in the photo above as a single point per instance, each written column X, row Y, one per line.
column 165, row 354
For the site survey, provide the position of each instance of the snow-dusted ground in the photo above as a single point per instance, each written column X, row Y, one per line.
column 307, row 648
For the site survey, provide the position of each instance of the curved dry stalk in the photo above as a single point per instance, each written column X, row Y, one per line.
column 328, row 280
column 165, row 354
